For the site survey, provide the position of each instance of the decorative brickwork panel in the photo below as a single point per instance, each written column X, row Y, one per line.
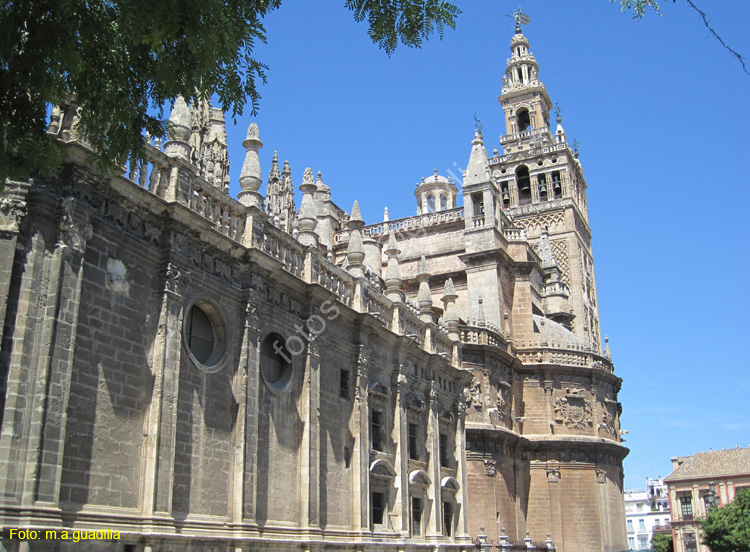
column 560, row 250
column 536, row 222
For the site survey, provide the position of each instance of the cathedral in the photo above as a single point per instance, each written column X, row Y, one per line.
column 183, row 370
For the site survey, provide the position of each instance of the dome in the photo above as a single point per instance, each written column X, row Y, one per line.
column 553, row 333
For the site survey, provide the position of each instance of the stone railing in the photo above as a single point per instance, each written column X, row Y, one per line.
column 568, row 355
column 515, row 234
column 334, row 279
column 226, row 213
column 410, row 225
column 379, row 306
column 554, row 288
column 475, row 335
column 152, row 172
column 284, row 248
column 411, row 325
column 524, row 134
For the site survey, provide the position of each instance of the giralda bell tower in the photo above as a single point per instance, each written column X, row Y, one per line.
column 540, row 181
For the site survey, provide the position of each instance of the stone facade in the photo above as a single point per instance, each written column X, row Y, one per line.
column 202, row 373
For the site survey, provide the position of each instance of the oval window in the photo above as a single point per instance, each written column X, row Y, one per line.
column 275, row 362
column 204, row 336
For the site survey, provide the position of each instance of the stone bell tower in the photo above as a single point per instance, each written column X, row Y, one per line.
column 541, row 185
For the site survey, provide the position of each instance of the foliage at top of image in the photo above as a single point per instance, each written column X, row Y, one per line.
column 123, row 61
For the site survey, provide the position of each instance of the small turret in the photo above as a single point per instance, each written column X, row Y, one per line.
column 424, row 296
column 477, row 169
column 392, row 272
column 450, row 316
column 436, row 193
column 250, row 177
column 355, row 251
column 179, row 130
column 307, row 220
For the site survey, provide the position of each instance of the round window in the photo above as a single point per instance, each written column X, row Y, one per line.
column 275, row 362
column 204, row 336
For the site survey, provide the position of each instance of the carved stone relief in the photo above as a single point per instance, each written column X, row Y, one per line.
column 177, row 280
column 574, row 409
column 12, row 212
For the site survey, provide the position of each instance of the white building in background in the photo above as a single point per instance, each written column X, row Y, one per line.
column 646, row 512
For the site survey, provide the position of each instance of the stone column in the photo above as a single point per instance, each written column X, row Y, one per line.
column 40, row 362
column 461, row 474
column 361, row 452
column 433, row 435
column 162, row 417
column 401, row 508
column 489, row 207
column 310, row 469
column 246, row 451
column 58, row 338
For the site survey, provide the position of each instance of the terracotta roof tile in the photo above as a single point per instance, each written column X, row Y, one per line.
column 713, row 464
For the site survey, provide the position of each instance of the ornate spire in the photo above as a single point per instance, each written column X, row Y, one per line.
column 522, row 70
column 385, row 215
column 355, row 251
column 307, row 220
column 212, row 155
column 393, row 273
column 424, row 296
column 607, row 352
column 273, row 174
column 179, row 130
column 560, row 131
column 545, row 251
column 478, row 169
column 280, row 194
column 250, row 177
column 320, row 185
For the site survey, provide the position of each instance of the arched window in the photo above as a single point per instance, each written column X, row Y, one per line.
column 523, row 119
column 430, row 203
column 543, row 191
column 524, row 184
column 556, row 185
column 443, row 202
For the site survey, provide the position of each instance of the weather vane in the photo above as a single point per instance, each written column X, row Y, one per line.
column 477, row 123
column 520, row 19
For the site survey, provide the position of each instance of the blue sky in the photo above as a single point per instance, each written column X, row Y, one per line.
column 660, row 111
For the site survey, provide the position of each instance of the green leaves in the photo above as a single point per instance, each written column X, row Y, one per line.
column 409, row 22
column 639, row 7
column 662, row 543
column 121, row 60
column 727, row 529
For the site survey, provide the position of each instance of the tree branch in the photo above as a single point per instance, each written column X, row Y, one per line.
column 716, row 35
